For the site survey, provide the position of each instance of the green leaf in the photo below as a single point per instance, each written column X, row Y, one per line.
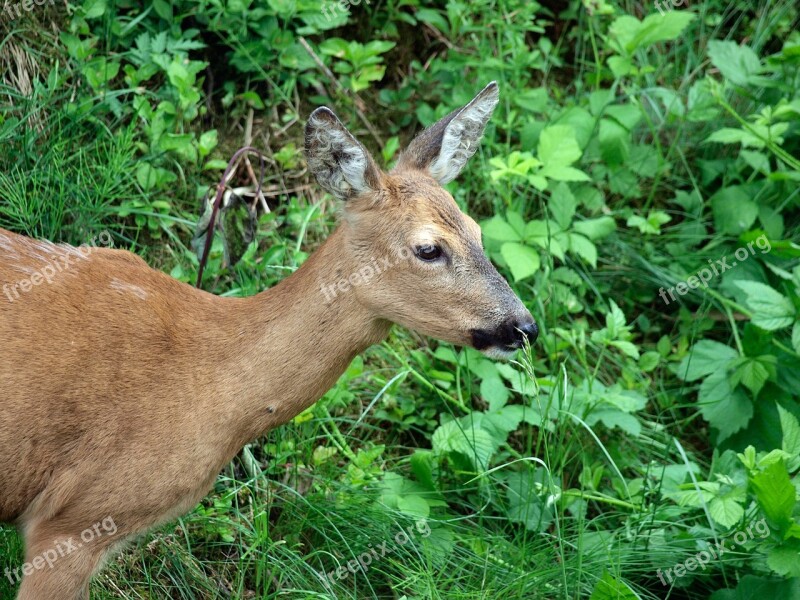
column 465, row 438
column 414, row 505
column 771, row 309
column 611, row 588
column 422, row 467
column 595, row 229
column 523, row 260
column 775, row 494
column 738, row 64
column 494, row 391
column 753, row 372
column 562, row 205
column 734, row 210
column 558, row 146
column 726, row 510
column 498, row 229
column 705, row 357
column 791, row 432
column 796, row 337
column 724, row 407
column 583, row 248
column 785, row 560
column 649, row 361
column 615, row 142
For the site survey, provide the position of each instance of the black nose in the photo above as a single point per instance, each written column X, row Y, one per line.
column 529, row 330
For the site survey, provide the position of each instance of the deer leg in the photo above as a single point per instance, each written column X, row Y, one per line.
column 60, row 561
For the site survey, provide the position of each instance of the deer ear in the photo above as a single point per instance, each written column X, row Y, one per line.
column 445, row 147
column 339, row 162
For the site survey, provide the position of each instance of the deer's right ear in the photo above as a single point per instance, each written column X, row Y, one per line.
column 339, row 162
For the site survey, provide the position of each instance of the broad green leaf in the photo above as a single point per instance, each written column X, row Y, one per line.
column 465, row 438
column 498, row 229
column 753, row 372
column 611, row 417
column 726, row 510
column 583, row 248
column 414, row 505
column 734, row 210
column 791, row 432
column 422, row 467
column 796, row 337
column 738, row 64
column 725, row 408
column 705, row 357
column 562, row 205
column 595, row 229
column 785, row 559
column 523, row 260
column 611, row 588
column 649, row 361
column 771, row 309
column 558, row 146
column 494, row 391
column 615, row 142
column 775, row 494
column 659, row 27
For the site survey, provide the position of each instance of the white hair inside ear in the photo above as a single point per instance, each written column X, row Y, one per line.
column 338, row 161
column 463, row 134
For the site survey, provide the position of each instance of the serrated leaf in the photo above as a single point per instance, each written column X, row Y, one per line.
column 775, row 494
column 611, row 588
column 558, row 146
column 785, row 559
column 523, row 260
column 705, row 357
column 725, row 408
column 465, row 438
column 791, row 432
column 498, row 229
column 771, row 309
column 562, row 205
column 738, row 64
column 725, row 510
column 413, row 505
column 734, row 210
column 595, row 229
column 583, row 248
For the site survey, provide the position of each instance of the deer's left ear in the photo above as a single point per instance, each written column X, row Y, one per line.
column 445, row 147
column 339, row 162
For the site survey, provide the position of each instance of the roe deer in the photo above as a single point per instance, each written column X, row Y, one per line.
column 125, row 392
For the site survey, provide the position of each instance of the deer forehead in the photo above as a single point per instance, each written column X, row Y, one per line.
column 431, row 213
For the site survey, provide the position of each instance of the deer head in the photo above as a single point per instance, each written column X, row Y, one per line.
column 409, row 255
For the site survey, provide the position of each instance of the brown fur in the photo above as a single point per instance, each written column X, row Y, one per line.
column 125, row 391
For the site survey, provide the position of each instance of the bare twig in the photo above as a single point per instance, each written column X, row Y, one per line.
column 248, row 138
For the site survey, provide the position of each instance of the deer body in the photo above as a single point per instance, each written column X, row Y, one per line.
column 124, row 391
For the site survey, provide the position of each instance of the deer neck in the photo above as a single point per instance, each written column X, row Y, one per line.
column 297, row 339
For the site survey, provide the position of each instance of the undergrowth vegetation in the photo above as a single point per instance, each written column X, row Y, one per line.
column 639, row 185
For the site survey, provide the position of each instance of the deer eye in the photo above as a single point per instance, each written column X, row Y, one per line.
column 428, row 253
